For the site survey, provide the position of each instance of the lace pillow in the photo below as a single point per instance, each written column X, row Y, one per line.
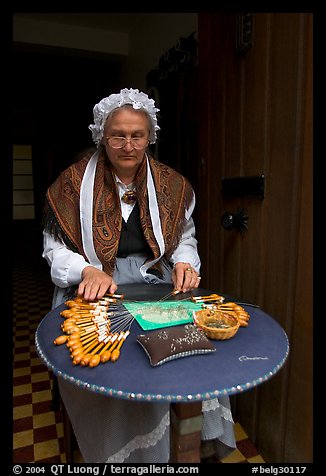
column 171, row 343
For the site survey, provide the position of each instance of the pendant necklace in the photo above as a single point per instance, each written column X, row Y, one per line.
column 129, row 197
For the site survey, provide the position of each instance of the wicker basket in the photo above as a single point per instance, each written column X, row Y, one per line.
column 206, row 317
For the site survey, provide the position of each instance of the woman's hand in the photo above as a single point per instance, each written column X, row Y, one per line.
column 95, row 284
column 185, row 277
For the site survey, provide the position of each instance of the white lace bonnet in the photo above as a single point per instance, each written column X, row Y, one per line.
column 137, row 99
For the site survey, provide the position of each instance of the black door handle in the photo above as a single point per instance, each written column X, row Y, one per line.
column 237, row 220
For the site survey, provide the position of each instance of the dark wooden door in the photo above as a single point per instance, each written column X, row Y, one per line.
column 255, row 109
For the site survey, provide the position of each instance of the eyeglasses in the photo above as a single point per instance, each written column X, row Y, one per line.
column 135, row 142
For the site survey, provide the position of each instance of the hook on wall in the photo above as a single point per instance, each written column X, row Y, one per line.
column 181, row 57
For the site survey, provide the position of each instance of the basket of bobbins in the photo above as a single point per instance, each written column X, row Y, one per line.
column 216, row 324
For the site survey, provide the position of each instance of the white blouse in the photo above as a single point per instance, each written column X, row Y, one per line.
column 67, row 266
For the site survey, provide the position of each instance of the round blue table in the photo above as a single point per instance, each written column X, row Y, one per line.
column 251, row 357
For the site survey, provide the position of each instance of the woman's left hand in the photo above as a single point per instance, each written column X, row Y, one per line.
column 185, row 277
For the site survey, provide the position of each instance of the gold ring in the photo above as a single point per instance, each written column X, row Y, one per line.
column 189, row 269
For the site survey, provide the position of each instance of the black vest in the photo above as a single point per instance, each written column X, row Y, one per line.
column 132, row 238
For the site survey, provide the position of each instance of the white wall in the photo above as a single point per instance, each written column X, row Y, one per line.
column 154, row 34
column 48, row 33
column 142, row 47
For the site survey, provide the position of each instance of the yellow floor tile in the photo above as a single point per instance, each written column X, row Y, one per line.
column 22, row 371
column 22, row 389
column 256, row 459
column 43, row 419
column 40, row 377
column 23, row 438
column 24, row 356
column 36, row 361
column 21, row 333
column 21, row 343
column 78, row 457
column 42, row 396
column 240, row 434
column 22, row 411
column 21, row 321
column 235, row 457
column 46, row 449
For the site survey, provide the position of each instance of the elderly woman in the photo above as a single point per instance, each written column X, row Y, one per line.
column 119, row 216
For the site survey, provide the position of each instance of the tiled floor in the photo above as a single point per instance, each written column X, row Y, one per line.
column 37, row 430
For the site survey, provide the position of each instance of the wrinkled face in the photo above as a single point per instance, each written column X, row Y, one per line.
column 126, row 123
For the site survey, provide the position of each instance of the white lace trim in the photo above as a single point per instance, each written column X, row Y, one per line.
column 141, row 441
column 209, row 405
column 137, row 99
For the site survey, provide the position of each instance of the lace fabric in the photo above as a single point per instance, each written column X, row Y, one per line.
column 151, row 439
column 136, row 99
column 141, row 441
column 210, row 405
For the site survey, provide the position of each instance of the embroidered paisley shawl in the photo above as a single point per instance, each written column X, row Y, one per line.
column 62, row 214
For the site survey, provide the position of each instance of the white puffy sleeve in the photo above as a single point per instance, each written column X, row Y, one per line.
column 66, row 265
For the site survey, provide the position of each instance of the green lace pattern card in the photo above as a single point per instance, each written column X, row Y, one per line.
column 156, row 315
